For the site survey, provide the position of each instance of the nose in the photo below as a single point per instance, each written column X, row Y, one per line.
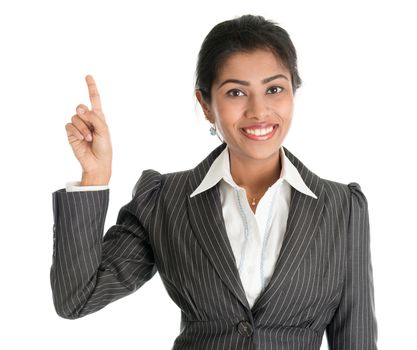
column 256, row 107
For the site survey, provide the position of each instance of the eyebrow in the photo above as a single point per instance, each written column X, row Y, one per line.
column 244, row 82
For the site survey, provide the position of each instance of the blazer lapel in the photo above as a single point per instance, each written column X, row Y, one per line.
column 206, row 219
column 302, row 226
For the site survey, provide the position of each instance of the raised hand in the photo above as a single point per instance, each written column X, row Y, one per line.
column 89, row 138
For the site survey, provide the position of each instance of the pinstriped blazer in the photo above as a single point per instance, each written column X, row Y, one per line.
column 322, row 282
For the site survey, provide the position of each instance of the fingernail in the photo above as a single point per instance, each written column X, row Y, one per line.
column 80, row 110
column 89, row 137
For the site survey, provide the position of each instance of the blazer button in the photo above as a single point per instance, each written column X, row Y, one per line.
column 245, row 328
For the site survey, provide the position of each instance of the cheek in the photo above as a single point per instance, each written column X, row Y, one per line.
column 228, row 114
column 285, row 109
column 227, row 108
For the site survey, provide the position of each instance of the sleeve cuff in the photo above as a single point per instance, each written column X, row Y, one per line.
column 73, row 186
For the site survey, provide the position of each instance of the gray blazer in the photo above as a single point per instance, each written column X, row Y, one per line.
column 322, row 280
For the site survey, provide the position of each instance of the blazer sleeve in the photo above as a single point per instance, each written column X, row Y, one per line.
column 354, row 324
column 88, row 270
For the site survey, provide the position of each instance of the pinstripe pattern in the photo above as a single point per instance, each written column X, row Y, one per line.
column 322, row 281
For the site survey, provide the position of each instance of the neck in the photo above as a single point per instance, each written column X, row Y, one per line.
column 255, row 175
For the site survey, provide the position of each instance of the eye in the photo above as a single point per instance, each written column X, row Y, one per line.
column 235, row 92
column 276, row 87
column 233, row 95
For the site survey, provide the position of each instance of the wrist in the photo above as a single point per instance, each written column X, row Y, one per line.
column 94, row 180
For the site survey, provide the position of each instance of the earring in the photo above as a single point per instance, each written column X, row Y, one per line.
column 213, row 132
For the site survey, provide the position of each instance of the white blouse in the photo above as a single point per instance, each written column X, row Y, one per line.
column 255, row 239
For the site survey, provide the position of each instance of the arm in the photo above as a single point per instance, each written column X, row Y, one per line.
column 354, row 324
column 89, row 271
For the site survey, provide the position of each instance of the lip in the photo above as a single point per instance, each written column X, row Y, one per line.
column 261, row 137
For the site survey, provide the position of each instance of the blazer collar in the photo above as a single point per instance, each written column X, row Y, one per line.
column 206, row 220
column 220, row 169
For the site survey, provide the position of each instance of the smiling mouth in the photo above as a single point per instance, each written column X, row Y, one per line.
column 260, row 134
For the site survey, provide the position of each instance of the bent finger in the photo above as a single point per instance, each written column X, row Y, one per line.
column 73, row 133
column 93, row 122
column 83, row 127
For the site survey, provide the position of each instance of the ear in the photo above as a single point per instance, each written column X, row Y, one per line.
column 204, row 105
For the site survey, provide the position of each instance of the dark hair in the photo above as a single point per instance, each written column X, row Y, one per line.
column 243, row 34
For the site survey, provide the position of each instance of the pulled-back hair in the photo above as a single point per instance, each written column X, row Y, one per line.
column 243, row 34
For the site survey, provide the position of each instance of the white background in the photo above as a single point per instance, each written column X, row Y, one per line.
column 354, row 120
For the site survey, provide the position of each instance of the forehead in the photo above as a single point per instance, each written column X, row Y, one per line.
column 257, row 62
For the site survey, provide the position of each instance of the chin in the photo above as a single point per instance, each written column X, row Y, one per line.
column 260, row 153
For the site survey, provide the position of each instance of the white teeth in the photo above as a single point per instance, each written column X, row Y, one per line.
column 259, row 132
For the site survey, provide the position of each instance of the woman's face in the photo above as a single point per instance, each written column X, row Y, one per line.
column 252, row 91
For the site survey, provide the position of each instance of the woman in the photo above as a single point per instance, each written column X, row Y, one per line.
column 257, row 251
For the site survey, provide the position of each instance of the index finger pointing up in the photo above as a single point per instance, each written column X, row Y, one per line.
column 94, row 95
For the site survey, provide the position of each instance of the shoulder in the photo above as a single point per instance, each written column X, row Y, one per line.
column 345, row 200
column 335, row 189
column 344, row 195
column 352, row 190
column 149, row 180
column 339, row 198
column 152, row 180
